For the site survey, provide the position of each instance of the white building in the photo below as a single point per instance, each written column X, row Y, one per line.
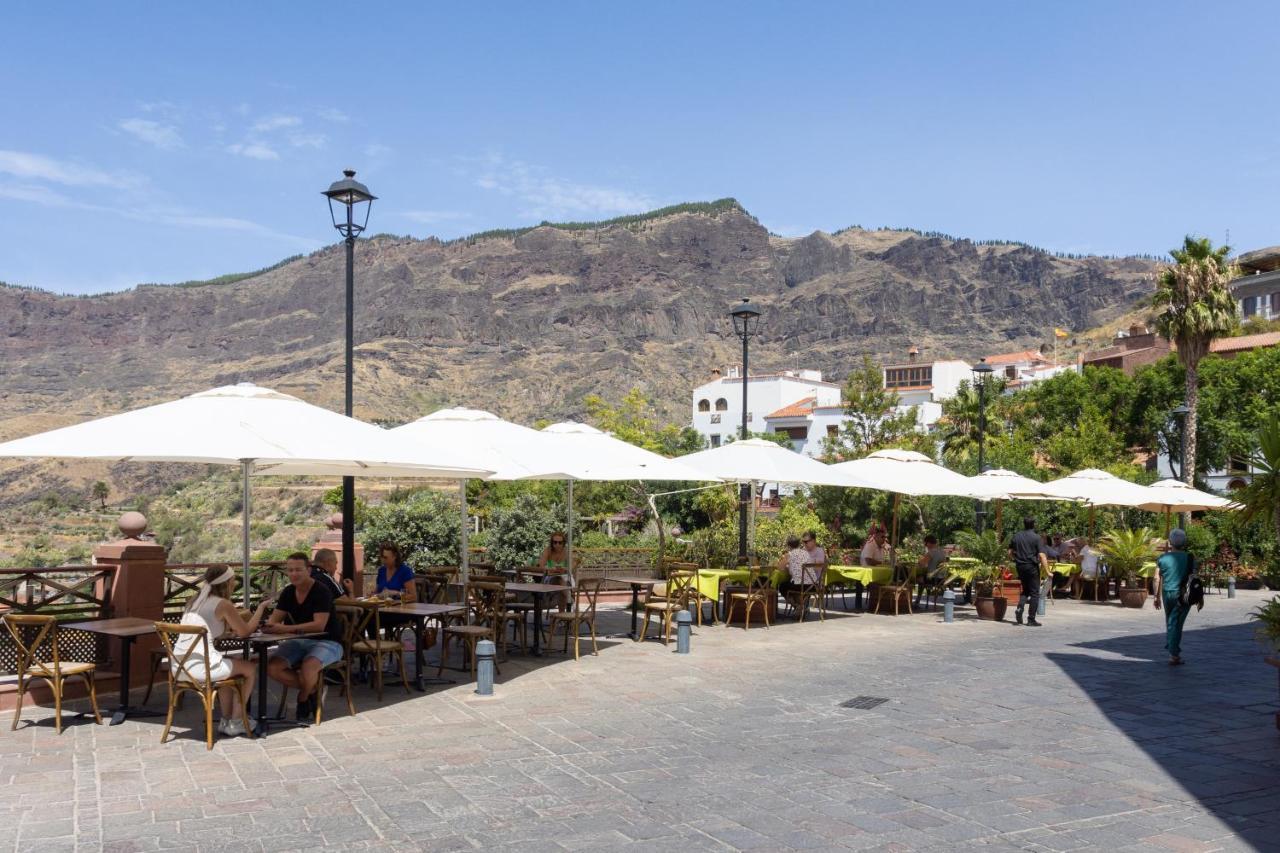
column 717, row 404
column 1257, row 291
column 925, row 385
column 808, row 423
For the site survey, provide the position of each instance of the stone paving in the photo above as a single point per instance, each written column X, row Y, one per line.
column 1073, row 736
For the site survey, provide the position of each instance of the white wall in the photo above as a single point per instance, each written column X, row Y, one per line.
column 764, row 395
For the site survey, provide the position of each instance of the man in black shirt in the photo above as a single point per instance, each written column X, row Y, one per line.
column 1028, row 558
column 297, row 663
column 324, row 568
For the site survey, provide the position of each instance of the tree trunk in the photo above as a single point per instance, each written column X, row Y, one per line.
column 1189, row 432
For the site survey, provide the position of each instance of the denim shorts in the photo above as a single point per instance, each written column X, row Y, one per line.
column 325, row 651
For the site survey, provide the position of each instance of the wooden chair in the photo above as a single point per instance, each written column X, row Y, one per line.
column 666, row 601
column 898, row 591
column 433, row 584
column 574, row 619
column 487, row 606
column 812, row 588
column 54, row 672
column 694, row 597
column 758, row 591
column 841, row 584
column 374, row 647
column 223, row 644
column 348, row 617
column 183, row 679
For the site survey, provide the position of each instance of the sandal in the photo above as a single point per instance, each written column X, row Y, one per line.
column 1176, row 661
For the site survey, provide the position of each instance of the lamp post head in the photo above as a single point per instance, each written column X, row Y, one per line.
column 1181, row 411
column 746, row 319
column 982, row 370
column 354, row 200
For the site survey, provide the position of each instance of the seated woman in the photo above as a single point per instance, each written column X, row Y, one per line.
column 555, row 565
column 211, row 609
column 793, row 563
column 395, row 578
column 1088, row 569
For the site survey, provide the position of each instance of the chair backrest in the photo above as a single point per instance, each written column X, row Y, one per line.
column 814, row 575
column 681, row 585
column 46, row 629
column 488, row 601
column 486, row 578
column 348, row 618
column 180, row 664
column 589, row 590
column 433, row 584
column 368, row 612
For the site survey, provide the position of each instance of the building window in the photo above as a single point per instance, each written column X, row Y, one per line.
column 715, row 419
column 1011, row 372
column 1237, row 464
column 1249, row 306
column 796, row 433
column 715, row 440
column 722, row 405
column 832, row 430
column 907, row 377
column 704, row 405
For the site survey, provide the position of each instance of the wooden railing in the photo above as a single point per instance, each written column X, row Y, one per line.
column 603, row 562
column 181, row 580
column 69, row 593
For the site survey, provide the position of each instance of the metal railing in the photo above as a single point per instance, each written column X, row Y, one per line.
column 266, row 578
column 68, row 593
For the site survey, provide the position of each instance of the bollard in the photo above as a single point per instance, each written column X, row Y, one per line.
column 949, row 606
column 1231, row 586
column 1041, row 600
column 485, row 652
column 684, row 628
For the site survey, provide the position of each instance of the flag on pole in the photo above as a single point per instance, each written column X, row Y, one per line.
column 1060, row 333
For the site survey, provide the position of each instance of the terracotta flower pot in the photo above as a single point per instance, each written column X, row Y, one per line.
column 1133, row 596
column 990, row 607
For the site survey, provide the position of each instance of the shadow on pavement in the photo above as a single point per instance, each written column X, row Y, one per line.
column 1209, row 724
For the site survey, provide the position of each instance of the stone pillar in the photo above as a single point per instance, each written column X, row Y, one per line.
column 137, row 588
column 332, row 539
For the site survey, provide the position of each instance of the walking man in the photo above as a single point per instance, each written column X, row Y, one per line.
column 1175, row 567
column 1028, row 560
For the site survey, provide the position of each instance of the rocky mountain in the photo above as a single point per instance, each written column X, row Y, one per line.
column 527, row 322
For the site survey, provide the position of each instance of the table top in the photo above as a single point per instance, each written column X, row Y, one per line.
column 268, row 639
column 638, row 581
column 422, row 608
column 124, row 626
column 536, row 587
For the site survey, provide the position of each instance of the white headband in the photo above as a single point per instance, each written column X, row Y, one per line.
column 203, row 596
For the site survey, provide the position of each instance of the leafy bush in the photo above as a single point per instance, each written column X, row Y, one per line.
column 795, row 517
column 1126, row 551
column 425, row 527
column 518, row 533
column 1268, row 617
column 1201, row 541
column 986, row 547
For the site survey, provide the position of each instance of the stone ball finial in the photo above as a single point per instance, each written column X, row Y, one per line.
column 334, row 522
column 132, row 525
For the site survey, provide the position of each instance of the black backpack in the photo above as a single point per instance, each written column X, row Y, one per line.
column 1192, row 589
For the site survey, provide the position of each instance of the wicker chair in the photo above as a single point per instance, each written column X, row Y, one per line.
column 666, row 601
column 54, row 672
column 373, row 646
column 813, row 588
column 574, row 619
column 348, row 617
column 183, row 680
column 898, row 591
column 758, row 592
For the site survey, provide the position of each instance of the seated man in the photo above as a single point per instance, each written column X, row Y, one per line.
column 324, row 568
column 297, row 663
column 931, row 570
column 875, row 552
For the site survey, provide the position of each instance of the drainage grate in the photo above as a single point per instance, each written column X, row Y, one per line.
column 864, row 703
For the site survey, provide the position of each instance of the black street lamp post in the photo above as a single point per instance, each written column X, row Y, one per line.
column 981, row 371
column 1180, row 415
column 746, row 322
column 345, row 198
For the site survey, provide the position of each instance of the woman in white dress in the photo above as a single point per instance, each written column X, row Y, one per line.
column 211, row 609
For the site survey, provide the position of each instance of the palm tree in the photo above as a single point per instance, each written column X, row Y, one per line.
column 960, row 421
column 1261, row 498
column 1126, row 552
column 1196, row 306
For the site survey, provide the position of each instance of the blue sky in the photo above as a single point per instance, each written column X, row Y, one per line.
column 166, row 142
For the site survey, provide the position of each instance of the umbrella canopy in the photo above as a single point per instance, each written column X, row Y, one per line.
column 999, row 484
column 754, row 459
column 598, row 455
column 1177, row 496
column 1096, row 488
column 514, row 452
column 905, row 472
column 236, row 424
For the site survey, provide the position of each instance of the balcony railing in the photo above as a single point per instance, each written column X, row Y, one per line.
column 69, row 593
column 181, row 580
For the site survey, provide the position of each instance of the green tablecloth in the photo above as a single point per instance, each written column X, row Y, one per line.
column 867, row 575
column 1067, row 569
column 708, row 580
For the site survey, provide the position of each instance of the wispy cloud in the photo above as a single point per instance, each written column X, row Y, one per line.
column 308, row 140
column 23, row 164
column 331, row 114
column 162, row 136
column 550, row 196
column 254, row 150
column 275, row 122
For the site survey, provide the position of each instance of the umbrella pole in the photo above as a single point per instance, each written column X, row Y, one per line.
column 568, row 539
column 999, row 527
column 463, row 547
column 1166, row 522
column 893, row 550
column 1092, row 511
column 245, row 465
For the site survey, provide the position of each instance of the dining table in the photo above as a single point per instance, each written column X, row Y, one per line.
column 539, row 591
column 126, row 629
column 261, row 642
column 419, row 612
column 637, row 583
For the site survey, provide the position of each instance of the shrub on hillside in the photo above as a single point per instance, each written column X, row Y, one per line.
column 424, row 527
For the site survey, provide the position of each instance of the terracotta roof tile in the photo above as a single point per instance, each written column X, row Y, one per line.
column 1266, row 339
column 799, row 409
column 1010, row 357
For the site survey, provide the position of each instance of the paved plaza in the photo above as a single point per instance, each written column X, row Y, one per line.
column 1076, row 735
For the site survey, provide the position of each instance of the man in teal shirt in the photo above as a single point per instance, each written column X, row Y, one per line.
column 1175, row 567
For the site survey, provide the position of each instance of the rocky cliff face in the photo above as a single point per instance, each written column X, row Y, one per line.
column 527, row 324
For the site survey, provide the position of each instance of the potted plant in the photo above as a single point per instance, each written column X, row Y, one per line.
column 988, row 579
column 1126, row 551
column 1268, row 618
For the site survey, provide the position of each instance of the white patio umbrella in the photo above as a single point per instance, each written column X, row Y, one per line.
column 1000, row 485
column 904, row 472
column 757, row 460
column 261, row 430
column 1096, row 488
column 597, row 455
column 514, row 452
column 1176, row 496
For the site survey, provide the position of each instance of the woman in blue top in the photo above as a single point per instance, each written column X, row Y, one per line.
column 395, row 578
column 1175, row 566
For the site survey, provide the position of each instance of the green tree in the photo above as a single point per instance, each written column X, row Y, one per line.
column 635, row 421
column 425, row 526
column 872, row 418
column 519, row 532
column 100, row 492
column 1196, row 306
column 961, row 423
column 1261, row 498
column 1088, row 443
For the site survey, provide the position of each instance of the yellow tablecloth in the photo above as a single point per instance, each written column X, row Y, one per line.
column 867, row 575
column 708, row 580
column 1067, row 569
